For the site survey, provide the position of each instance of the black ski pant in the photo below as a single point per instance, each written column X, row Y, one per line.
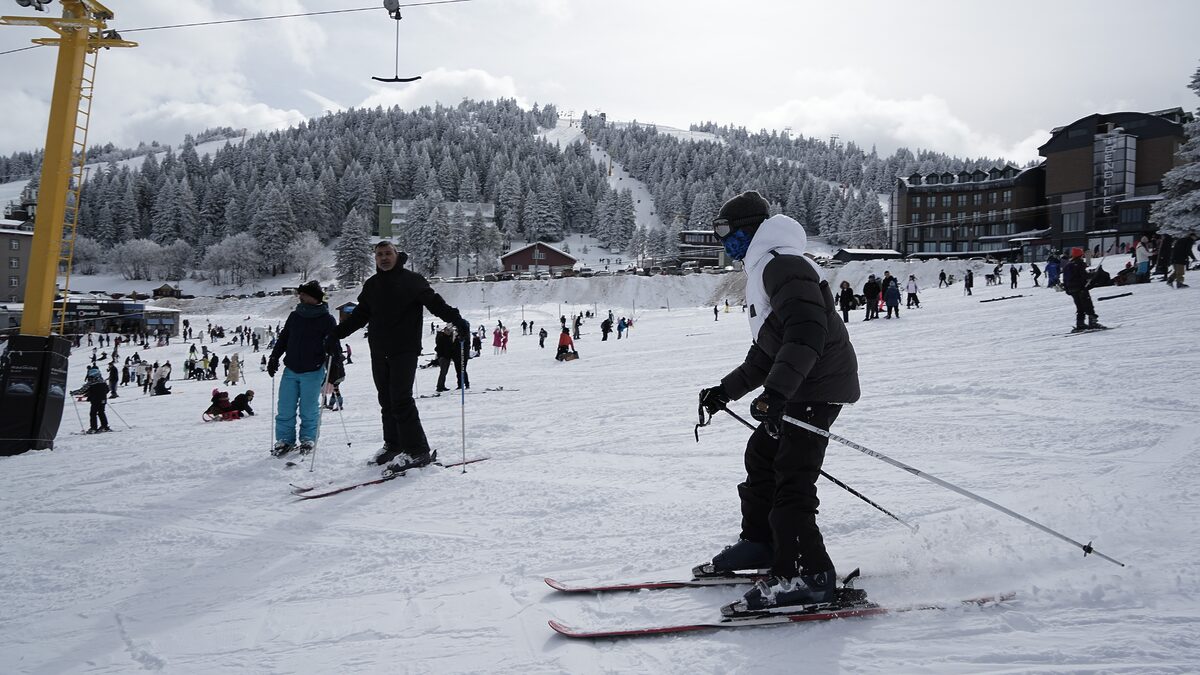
column 913, row 301
column 394, row 377
column 779, row 496
column 443, row 366
column 97, row 413
column 1083, row 306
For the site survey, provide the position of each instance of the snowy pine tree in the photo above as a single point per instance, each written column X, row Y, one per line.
column 271, row 228
column 352, row 256
column 1179, row 211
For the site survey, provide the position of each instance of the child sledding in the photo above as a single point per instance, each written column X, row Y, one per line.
column 222, row 409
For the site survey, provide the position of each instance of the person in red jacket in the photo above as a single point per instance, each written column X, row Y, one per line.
column 565, row 345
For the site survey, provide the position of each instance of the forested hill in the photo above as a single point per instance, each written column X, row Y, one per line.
column 326, row 176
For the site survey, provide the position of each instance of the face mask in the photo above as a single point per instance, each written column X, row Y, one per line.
column 737, row 244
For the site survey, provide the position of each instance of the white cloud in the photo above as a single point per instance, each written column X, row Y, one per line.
column 444, row 86
column 173, row 119
column 926, row 122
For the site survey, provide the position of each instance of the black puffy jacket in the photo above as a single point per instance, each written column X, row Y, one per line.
column 392, row 306
column 802, row 351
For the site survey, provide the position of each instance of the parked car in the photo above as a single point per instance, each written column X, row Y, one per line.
column 602, row 273
column 526, row 276
column 585, row 272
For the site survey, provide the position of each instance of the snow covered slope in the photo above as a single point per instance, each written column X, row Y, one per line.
column 175, row 545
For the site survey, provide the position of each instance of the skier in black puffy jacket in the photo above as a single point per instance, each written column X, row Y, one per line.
column 802, row 358
column 97, row 396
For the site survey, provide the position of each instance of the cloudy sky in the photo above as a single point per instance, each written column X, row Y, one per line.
column 968, row 78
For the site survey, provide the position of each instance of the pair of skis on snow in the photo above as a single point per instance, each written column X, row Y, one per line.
column 309, row 492
column 848, row 603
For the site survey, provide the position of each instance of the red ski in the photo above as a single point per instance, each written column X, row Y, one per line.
column 306, row 492
column 726, row 580
column 818, row 613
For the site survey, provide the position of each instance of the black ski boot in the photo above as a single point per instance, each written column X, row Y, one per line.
column 305, row 447
column 744, row 555
column 384, row 455
column 405, row 461
column 781, row 595
column 281, row 448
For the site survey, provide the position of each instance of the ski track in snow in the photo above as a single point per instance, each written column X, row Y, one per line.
column 176, row 546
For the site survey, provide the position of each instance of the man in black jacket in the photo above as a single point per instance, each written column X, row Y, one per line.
column 1181, row 255
column 802, row 358
column 391, row 306
column 444, row 347
column 97, row 396
column 871, row 292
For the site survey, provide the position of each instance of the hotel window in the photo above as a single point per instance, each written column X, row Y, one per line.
column 978, row 200
column 977, row 216
column 14, row 263
column 1007, row 196
column 14, row 244
column 992, row 197
column 1007, row 214
column 916, row 218
column 962, row 216
column 1133, row 215
column 13, row 282
column 931, row 201
column 947, row 233
column 916, row 202
column 946, row 200
column 927, row 233
column 962, row 200
column 991, row 216
column 1073, row 222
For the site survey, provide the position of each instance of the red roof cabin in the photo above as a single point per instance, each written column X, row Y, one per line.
column 537, row 257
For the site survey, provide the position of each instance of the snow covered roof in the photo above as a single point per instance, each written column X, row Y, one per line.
column 9, row 226
column 870, row 251
column 543, row 245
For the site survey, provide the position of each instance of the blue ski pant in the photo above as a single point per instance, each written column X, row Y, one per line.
column 303, row 391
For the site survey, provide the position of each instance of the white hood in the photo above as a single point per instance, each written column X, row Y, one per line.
column 783, row 235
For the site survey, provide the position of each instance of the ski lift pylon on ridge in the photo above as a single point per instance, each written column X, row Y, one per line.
column 393, row 9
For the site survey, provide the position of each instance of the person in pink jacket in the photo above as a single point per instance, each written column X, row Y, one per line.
column 496, row 340
column 504, row 341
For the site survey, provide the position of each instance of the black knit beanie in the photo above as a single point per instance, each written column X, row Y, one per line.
column 746, row 209
column 313, row 290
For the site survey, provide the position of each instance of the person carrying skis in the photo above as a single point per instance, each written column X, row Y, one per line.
column 801, row 355
column 1077, row 285
column 391, row 306
column 307, row 341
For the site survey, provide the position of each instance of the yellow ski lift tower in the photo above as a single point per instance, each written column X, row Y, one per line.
column 34, row 370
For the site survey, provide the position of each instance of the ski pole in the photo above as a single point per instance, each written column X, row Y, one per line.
column 462, row 390
column 837, row 482
column 272, row 425
column 1087, row 548
column 312, row 461
column 114, row 411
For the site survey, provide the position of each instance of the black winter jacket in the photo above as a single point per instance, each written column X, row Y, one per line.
column 802, row 351
column 846, row 299
column 1181, row 250
column 97, row 392
column 392, row 306
column 871, row 291
column 305, row 338
column 1075, row 276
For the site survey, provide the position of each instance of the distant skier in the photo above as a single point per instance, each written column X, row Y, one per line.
column 96, row 392
column 112, row 380
column 542, row 334
column 942, row 279
column 565, row 346
column 1036, row 272
column 968, row 281
column 605, row 329
column 871, row 297
column 1012, row 273
column 846, row 300
column 1053, row 267
column 912, row 289
column 1077, row 285
column 716, row 315
column 802, row 357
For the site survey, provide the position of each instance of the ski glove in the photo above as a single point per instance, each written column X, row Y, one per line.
column 768, row 409
column 713, row 399
column 272, row 366
column 464, row 329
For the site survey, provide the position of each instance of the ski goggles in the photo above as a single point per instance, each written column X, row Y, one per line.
column 722, row 227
